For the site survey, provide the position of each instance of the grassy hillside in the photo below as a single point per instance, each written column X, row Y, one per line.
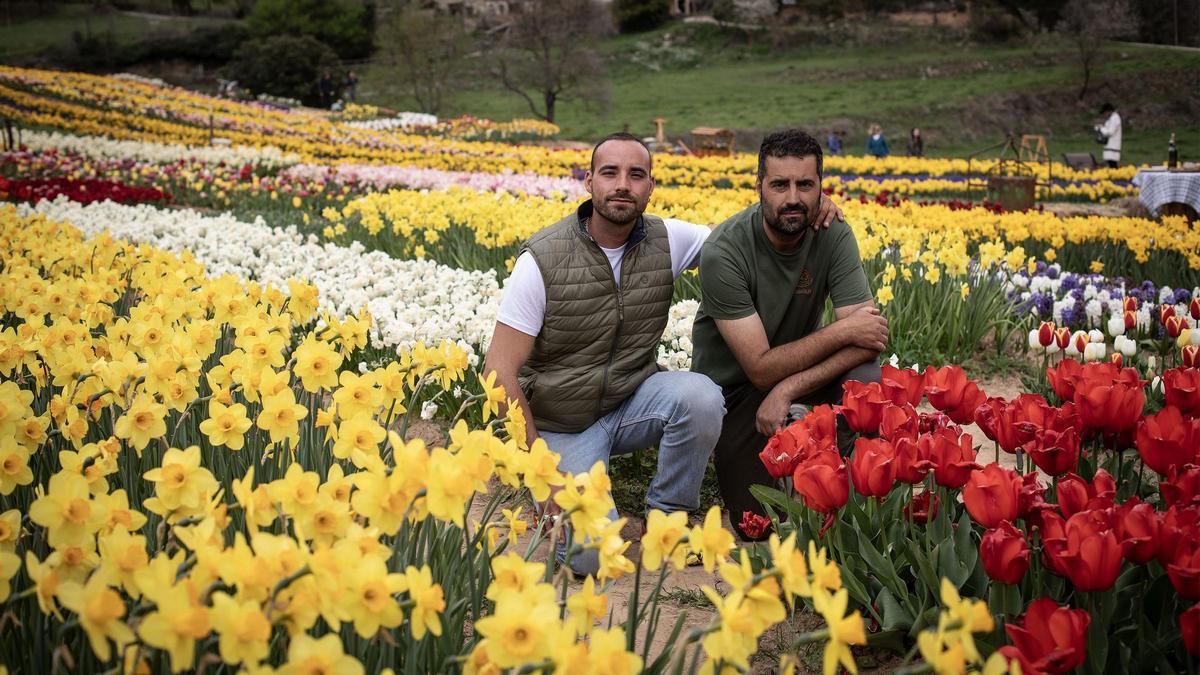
column 964, row 96
column 29, row 37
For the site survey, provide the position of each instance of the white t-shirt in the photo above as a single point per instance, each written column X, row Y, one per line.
column 523, row 303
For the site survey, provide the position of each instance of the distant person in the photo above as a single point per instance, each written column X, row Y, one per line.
column 325, row 89
column 876, row 144
column 352, row 86
column 834, row 143
column 916, row 143
column 1109, row 134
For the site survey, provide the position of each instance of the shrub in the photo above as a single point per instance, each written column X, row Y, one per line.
column 345, row 26
column 635, row 16
column 281, row 65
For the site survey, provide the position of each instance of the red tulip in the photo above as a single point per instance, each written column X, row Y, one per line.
column 1191, row 356
column 1166, row 440
column 872, row 468
column 923, row 507
column 1182, row 486
column 1055, row 452
column 821, row 480
column 1175, row 325
column 949, row 390
column 1062, row 378
column 1090, row 554
column 1080, row 341
column 753, row 525
column 1184, row 573
column 902, row 385
column 1112, row 409
column 1130, row 304
column 1138, row 527
column 1032, row 499
column 784, row 450
column 1189, row 621
column 1130, row 318
column 952, row 456
column 821, row 422
column 932, row 421
column 1051, row 639
column 912, row 461
column 898, row 421
column 1117, row 358
column 1062, row 337
column 1182, row 386
column 862, row 406
column 1046, row 334
column 1165, row 312
column 992, row 495
column 1076, row 495
column 987, row 415
column 1005, row 553
column 1178, row 532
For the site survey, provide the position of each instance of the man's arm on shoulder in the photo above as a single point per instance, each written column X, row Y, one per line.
column 509, row 350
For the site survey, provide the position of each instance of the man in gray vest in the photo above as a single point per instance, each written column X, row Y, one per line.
column 579, row 326
column 765, row 278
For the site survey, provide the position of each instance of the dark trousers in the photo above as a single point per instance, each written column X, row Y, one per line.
column 736, row 455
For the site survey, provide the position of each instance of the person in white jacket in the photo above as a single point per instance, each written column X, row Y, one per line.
column 1109, row 133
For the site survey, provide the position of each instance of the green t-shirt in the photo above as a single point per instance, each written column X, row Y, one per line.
column 741, row 274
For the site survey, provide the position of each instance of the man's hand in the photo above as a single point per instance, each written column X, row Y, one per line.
column 772, row 412
column 866, row 328
column 827, row 212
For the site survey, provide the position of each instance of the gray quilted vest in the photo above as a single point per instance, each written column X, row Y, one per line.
column 598, row 342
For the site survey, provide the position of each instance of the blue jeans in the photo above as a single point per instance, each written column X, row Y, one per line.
column 679, row 411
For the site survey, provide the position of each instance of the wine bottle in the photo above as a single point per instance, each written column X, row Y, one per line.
column 1172, row 153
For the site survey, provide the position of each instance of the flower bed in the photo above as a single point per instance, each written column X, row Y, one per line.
column 1109, row 555
column 218, row 489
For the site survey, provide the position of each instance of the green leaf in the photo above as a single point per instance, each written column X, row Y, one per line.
column 894, row 616
column 883, row 568
column 1005, row 599
column 770, row 497
column 949, row 565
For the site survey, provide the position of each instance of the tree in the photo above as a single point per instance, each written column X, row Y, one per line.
column 282, row 65
column 427, row 50
column 344, row 25
column 553, row 48
column 1091, row 23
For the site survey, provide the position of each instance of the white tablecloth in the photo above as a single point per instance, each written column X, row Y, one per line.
column 1164, row 187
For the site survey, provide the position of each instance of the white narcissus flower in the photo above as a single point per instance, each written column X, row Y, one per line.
column 428, row 410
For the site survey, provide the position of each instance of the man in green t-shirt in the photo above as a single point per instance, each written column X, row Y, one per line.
column 765, row 276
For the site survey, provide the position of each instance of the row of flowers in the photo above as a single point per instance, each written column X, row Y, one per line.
column 409, row 300
column 83, row 191
column 193, row 478
column 101, row 148
column 913, row 497
column 90, row 104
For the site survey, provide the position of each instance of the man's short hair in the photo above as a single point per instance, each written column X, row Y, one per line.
column 619, row 136
column 1107, row 108
column 788, row 143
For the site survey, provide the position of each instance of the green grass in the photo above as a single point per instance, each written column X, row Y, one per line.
column 32, row 36
column 750, row 88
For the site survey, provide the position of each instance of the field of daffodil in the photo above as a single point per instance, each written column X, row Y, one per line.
column 219, row 322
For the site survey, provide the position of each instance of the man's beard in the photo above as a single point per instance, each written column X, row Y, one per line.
column 618, row 214
column 790, row 220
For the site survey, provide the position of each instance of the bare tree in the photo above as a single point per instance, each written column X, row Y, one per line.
column 427, row 50
column 552, row 49
column 1089, row 24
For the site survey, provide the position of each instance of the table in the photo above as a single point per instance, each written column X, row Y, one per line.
column 1160, row 188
